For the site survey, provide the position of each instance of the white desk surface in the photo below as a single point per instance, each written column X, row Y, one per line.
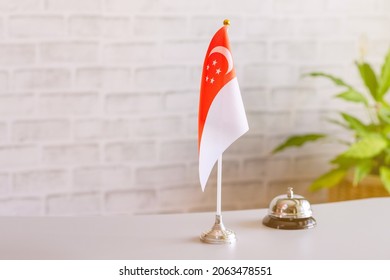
column 357, row 229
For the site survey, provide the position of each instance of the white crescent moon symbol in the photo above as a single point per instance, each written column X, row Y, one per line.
column 226, row 53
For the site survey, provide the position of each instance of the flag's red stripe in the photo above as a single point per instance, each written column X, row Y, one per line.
column 207, row 92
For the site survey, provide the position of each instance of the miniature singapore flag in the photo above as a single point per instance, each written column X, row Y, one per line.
column 222, row 118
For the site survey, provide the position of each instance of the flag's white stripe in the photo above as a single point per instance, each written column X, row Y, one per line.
column 226, row 121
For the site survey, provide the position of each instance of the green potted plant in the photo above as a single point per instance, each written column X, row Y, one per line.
column 369, row 152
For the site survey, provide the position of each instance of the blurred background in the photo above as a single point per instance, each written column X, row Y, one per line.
column 99, row 99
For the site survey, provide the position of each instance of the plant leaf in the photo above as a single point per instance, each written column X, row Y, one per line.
column 385, row 177
column 362, row 169
column 384, row 114
column 384, row 82
column 334, row 79
column 368, row 147
column 355, row 124
column 387, row 157
column 369, row 78
column 353, row 95
column 383, row 111
column 328, row 179
column 344, row 162
column 297, row 141
column 339, row 123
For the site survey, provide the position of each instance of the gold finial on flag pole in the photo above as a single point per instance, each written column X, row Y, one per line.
column 226, row 22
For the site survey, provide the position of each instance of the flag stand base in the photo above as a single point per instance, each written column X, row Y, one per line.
column 218, row 234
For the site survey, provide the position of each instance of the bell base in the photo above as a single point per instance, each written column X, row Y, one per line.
column 218, row 234
column 281, row 223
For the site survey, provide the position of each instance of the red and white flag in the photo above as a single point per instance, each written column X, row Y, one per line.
column 222, row 118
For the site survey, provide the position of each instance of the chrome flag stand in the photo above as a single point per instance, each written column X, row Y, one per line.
column 218, row 234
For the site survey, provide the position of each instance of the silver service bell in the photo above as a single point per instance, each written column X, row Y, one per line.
column 289, row 211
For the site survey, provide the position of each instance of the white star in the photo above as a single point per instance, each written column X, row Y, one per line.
column 208, row 67
column 207, row 78
column 218, row 71
column 214, row 62
column 212, row 80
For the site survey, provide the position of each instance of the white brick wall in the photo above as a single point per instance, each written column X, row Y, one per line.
column 36, row 26
column 40, row 79
column 98, row 99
